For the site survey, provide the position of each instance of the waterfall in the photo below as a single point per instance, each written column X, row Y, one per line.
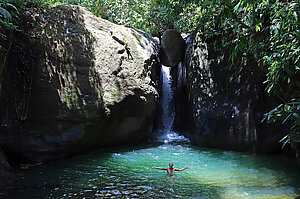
column 168, row 109
column 166, row 134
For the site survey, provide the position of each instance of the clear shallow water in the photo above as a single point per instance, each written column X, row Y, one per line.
column 127, row 173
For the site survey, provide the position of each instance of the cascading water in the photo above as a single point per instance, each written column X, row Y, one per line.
column 127, row 172
column 168, row 110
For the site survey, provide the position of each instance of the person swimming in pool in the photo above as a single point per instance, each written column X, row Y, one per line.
column 170, row 169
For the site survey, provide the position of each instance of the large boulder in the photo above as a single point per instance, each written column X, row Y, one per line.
column 75, row 82
column 227, row 101
column 173, row 48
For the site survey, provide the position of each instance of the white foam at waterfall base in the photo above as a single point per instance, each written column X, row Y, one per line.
column 172, row 136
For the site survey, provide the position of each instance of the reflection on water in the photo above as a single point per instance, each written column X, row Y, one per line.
column 127, row 173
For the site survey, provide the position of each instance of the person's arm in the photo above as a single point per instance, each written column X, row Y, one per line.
column 161, row 168
column 182, row 169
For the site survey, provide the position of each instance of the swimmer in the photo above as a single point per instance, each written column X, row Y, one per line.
column 170, row 169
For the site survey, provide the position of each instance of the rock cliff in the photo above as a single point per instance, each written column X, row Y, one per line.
column 227, row 101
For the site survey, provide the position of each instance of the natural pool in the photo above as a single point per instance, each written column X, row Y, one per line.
column 127, row 173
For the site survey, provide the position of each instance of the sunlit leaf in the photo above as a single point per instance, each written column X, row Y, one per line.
column 257, row 28
column 287, row 140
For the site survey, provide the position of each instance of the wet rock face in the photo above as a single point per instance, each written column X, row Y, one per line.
column 173, row 46
column 227, row 101
column 76, row 82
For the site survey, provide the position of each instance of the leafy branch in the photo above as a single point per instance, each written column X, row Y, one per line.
column 289, row 112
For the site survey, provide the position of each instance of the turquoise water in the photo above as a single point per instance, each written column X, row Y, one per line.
column 127, row 173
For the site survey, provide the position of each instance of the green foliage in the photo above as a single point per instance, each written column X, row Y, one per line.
column 289, row 112
column 8, row 14
column 269, row 30
column 152, row 16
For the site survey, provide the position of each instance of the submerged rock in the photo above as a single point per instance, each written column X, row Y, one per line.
column 173, row 46
column 75, row 82
column 227, row 101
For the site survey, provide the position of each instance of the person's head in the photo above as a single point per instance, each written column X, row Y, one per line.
column 171, row 165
